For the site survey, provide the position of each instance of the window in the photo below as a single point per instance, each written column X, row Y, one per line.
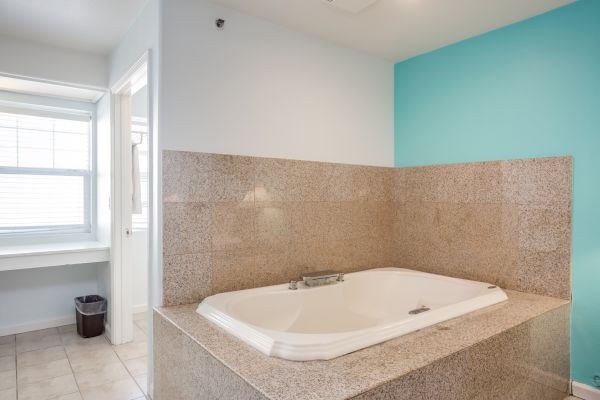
column 45, row 176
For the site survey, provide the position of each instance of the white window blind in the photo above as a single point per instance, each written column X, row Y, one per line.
column 44, row 171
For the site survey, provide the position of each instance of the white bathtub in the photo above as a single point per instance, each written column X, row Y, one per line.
column 369, row 307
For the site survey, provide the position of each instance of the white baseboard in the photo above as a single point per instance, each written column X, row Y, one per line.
column 140, row 308
column 37, row 325
column 585, row 392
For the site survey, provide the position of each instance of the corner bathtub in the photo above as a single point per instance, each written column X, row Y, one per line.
column 369, row 307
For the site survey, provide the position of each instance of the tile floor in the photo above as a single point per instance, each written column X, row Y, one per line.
column 57, row 364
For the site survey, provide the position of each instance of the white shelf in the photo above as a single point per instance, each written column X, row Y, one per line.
column 52, row 254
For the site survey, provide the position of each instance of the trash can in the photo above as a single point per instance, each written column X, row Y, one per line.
column 90, row 312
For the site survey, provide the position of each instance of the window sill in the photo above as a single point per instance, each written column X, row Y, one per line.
column 52, row 254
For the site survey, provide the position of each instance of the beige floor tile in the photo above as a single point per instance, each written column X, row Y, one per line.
column 67, row 328
column 131, row 350
column 138, row 334
column 72, row 396
column 7, row 339
column 8, row 394
column 41, row 356
column 49, row 389
column 140, row 316
column 143, row 325
column 84, row 360
column 7, row 363
column 101, row 375
column 40, row 332
column 41, row 372
column 125, row 389
column 137, row 366
column 7, row 349
column 8, row 380
column 73, row 343
column 142, row 381
column 73, row 337
column 35, row 334
column 37, row 340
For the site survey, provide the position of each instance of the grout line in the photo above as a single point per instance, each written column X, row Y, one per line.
column 131, row 376
column 72, row 371
column 16, row 371
column 63, row 346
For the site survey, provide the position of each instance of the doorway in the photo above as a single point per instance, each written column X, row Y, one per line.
column 130, row 216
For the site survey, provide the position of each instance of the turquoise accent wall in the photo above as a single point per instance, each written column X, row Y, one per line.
column 531, row 89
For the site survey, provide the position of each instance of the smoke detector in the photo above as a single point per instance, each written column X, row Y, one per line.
column 352, row 6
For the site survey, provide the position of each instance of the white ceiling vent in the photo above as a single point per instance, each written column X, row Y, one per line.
column 353, row 6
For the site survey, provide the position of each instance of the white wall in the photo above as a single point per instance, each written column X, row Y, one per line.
column 103, row 192
column 257, row 88
column 142, row 35
column 42, row 297
column 139, row 245
column 34, row 60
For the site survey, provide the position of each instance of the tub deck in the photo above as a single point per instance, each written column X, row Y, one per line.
column 518, row 349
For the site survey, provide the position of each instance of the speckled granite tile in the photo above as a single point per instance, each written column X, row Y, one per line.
column 364, row 370
column 341, row 184
column 232, row 179
column 232, row 270
column 419, row 184
column 201, row 177
column 487, row 183
column 273, row 268
column 544, row 272
column 503, row 222
column 470, row 238
column 234, row 227
column 541, row 182
column 186, row 278
column 200, row 376
column 544, row 229
column 372, row 183
column 309, row 220
column 455, row 183
column 273, row 225
column 186, row 176
column 487, row 221
column 290, row 180
column 187, row 228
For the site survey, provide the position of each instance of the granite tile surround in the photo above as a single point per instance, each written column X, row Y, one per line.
column 514, row 350
column 235, row 222
column 503, row 222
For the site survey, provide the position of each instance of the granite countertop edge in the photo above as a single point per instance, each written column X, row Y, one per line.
column 361, row 371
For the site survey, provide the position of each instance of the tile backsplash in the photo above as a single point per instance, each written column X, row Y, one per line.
column 235, row 222
column 503, row 222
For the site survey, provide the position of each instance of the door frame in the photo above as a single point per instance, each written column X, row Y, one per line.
column 121, row 250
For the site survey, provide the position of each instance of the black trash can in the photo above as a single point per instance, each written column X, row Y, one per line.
column 90, row 312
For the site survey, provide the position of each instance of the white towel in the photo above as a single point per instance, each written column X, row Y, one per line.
column 136, row 195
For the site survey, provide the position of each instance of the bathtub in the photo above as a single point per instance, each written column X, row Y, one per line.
column 369, row 307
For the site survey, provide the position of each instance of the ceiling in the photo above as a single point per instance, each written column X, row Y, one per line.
column 395, row 29
column 392, row 29
column 94, row 26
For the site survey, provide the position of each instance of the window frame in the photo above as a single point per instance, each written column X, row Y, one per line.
column 38, row 105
